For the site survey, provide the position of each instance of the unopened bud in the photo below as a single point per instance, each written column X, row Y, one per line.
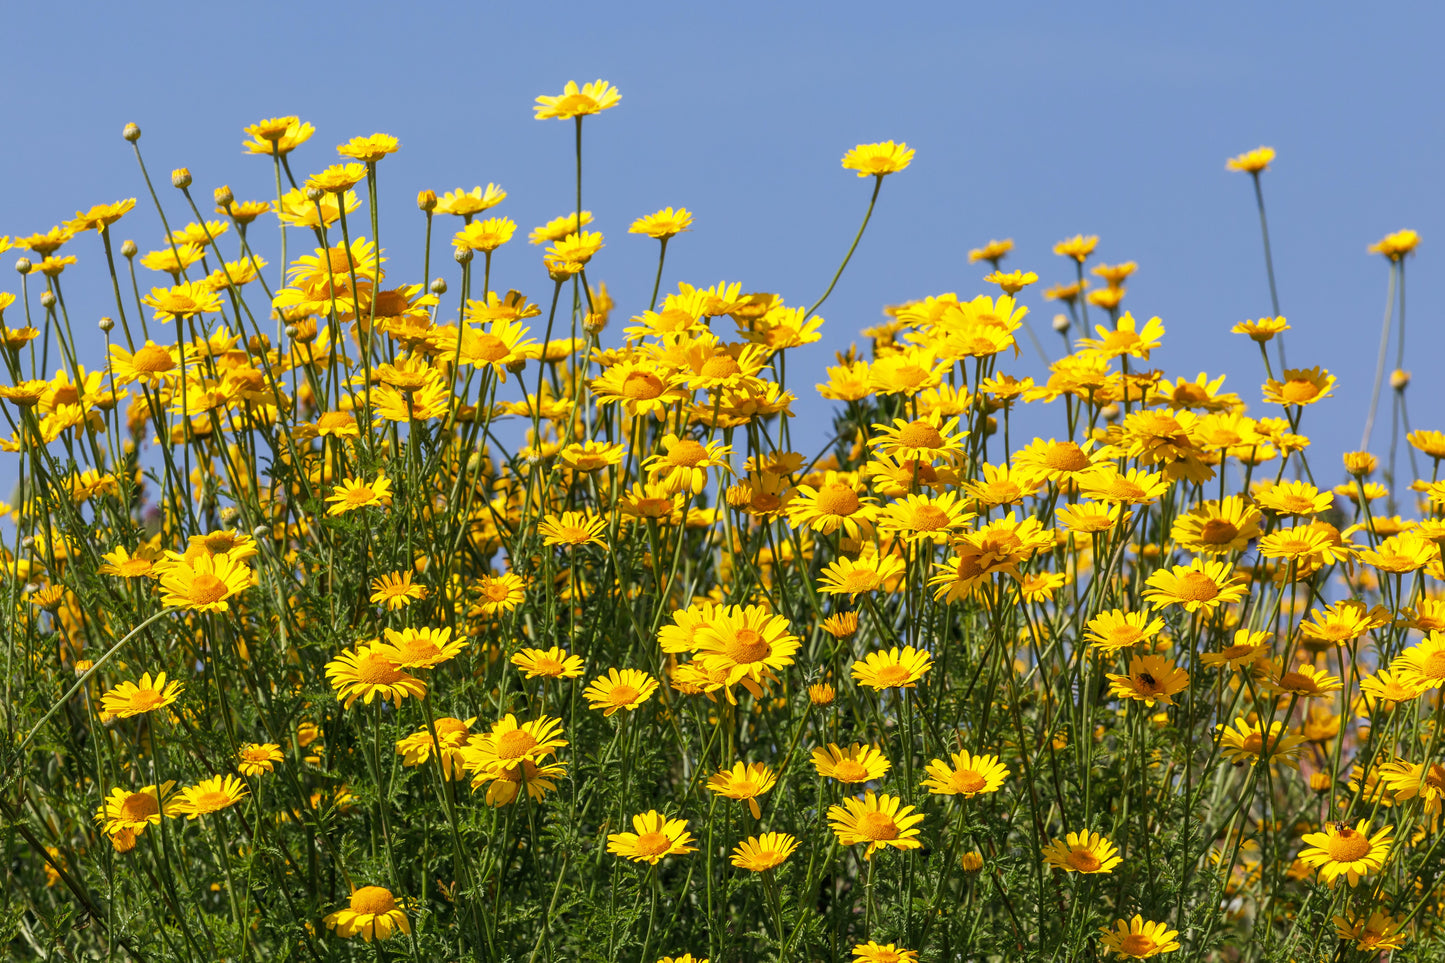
column 23, row 265
column 463, row 255
column 260, row 532
column 426, row 200
column 439, row 286
column 28, row 542
column 972, row 862
column 181, row 178
column 223, row 196
column 47, row 299
column 128, row 249
column 1110, row 412
column 1399, row 379
column 291, row 331
column 1061, row 323
column 229, row 514
column 314, row 194
column 131, row 132
column 517, row 365
column 1320, row 781
column 1359, row 463
column 259, row 344
column 107, row 325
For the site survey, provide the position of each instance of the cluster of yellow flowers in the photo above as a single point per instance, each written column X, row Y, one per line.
column 348, row 518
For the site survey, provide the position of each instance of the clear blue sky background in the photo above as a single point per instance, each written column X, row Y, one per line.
column 1034, row 121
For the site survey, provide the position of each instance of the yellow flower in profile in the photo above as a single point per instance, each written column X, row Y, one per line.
column 1262, row 330
column 559, row 227
column 1251, row 161
column 254, row 759
column 1306, row 681
column 1400, row 554
column 992, row 252
column 98, row 218
column 878, row 160
column 1116, row 629
column 872, row 952
column 844, row 576
column 1077, row 247
column 1408, row 780
column 572, row 529
column 1052, row 460
column 577, row 102
column 1133, row 486
column 373, row 913
column 1422, row 665
column 396, row 591
column 133, row 811
column 684, row 464
column 969, row 776
column 277, row 135
column 744, row 782
column 1301, row 386
column 369, row 150
column 656, row 836
column 467, row 203
column 1198, row 586
column 858, row 763
column 451, row 735
column 485, row 236
column 879, row 821
column 203, row 583
column 923, row 439
column 210, row 796
column 617, row 690
column 1342, row 851
column 1127, row 338
column 337, row 179
column 1083, row 852
column 758, row 854
column 1012, row 282
column 1247, row 649
column 354, row 493
column 893, row 669
column 420, row 648
column 1397, row 245
column 916, row 518
column 368, row 672
column 552, row 663
column 664, row 224
column 1151, row 678
column 1140, row 939
column 137, row 698
column 1248, row 742
column 1375, row 934
column 745, row 643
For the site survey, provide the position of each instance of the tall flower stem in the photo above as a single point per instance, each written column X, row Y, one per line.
column 877, row 186
column 1268, row 261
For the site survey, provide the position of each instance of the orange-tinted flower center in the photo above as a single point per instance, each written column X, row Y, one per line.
column 877, row 826
column 929, row 518
column 623, row 695
column 206, row 589
column 1433, row 665
column 720, row 366
column 1083, row 860
column 515, row 744
column 968, row 781
column 139, row 806
column 152, row 359
column 372, row 899
column 1347, row 846
column 1299, row 392
column 687, row 453
column 837, row 499
column 1196, row 587
column 653, row 844
column 1137, row 944
column 1297, row 682
column 144, row 700
column 210, row 801
column 891, row 675
column 1065, row 456
column 850, row 770
column 373, row 669
column 748, row 645
column 496, row 591
column 920, row 434
column 641, row 386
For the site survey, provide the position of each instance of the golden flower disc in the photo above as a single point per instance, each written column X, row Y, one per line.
column 892, row 675
column 641, row 386
column 968, row 781
column 850, row 770
column 515, row 744
column 748, row 646
column 139, row 806
column 1136, row 944
column 720, row 366
column 360, row 495
column 372, row 899
column 837, row 499
column 1218, row 531
column 1083, row 860
column 488, row 347
column 206, row 589
column 209, row 802
column 373, row 669
column 654, row 843
column 687, row 453
column 929, row 518
column 1196, row 587
column 1299, row 392
column 152, row 359
column 1065, row 456
column 1347, row 846
column 1433, row 665
column 877, row 825
column 622, row 695
column 920, row 434
column 144, row 700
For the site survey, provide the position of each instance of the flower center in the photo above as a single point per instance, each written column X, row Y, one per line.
column 1433, row 665
column 641, row 386
column 720, row 366
column 1299, row 392
column 877, row 826
column 1122, row 635
column 360, row 496
column 622, row 695
column 489, row 347
column 747, row 645
column 1066, row 456
column 929, row 518
column 451, row 730
column 653, row 844
column 1083, row 860
column 152, row 359
column 1347, row 846
column 1196, row 587
column 145, row 700
column 909, row 375
column 373, row 900
column 837, row 499
column 496, row 591
column 892, row 675
column 968, row 781
column 515, row 744
column 850, row 770
column 920, row 434
column 207, row 589
column 372, row 669
column 139, row 806
column 209, row 802
column 544, row 665
column 687, row 453
column 1296, row 682
column 766, row 502
column 1137, row 944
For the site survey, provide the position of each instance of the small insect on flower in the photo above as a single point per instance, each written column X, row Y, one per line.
column 656, row 836
column 1343, row 851
column 373, row 913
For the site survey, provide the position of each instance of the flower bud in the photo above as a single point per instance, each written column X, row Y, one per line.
column 28, row 542
column 821, row 694
column 23, row 265
column 1320, row 781
column 426, row 200
column 128, row 249
column 517, row 366
column 107, row 325
column 972, row 861
column 259, row 344
column 131, row 132
column 1061, row 323
column 314, row 194
column 439, row 286
column 1359, row 463
column 82, row 666
column 1399, row 379
column 463, row 255
column 47, row 299
column 1110, row 412
column 260, row 532
column 181, row 178
column 229, row 514
column 223, row 196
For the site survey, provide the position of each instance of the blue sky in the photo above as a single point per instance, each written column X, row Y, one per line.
column 1034, row 121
